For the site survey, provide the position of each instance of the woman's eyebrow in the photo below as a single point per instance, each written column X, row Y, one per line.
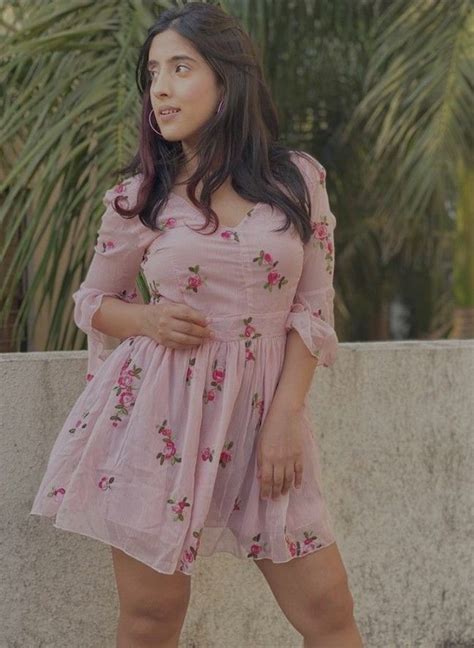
column 178, row 57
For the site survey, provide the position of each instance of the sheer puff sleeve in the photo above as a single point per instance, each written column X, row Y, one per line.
column 113, row 271
column 312, row 311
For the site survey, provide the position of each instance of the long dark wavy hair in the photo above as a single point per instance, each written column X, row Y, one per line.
column 243, row 136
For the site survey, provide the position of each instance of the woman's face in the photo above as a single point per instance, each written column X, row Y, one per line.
column 188, row 84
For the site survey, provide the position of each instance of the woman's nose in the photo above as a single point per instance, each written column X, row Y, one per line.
column 160, row 86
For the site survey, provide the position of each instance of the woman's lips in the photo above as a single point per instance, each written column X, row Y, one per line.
column 169, row 116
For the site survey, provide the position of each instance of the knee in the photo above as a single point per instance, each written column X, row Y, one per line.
column 333, row 609
column 146, row 624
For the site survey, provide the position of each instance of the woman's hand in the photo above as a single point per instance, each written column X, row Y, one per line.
column 177, row 326
column 280, row 452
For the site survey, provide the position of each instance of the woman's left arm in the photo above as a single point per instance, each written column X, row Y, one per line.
column 311, row 341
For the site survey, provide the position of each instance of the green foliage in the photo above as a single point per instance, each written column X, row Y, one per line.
column 378, row 91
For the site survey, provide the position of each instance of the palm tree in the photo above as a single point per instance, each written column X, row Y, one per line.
column 388, row 119
column 417, row 113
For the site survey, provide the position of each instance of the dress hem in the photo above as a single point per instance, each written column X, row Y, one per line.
column 202, row 554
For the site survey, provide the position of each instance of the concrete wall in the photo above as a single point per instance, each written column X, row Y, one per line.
column 394, row 422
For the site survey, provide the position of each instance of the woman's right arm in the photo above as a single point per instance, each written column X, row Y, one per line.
column 119, row 319
column 107, row 302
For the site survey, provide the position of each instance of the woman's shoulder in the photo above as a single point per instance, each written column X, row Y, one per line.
column 128, row 229
column 306, row 162
column 127, row 188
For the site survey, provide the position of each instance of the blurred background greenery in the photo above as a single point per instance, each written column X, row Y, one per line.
column 380, row 92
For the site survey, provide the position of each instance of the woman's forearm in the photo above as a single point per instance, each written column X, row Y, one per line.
column 118, row 318
column 296, row 375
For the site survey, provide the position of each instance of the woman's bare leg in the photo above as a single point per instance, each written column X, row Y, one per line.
column 312, row 592
column 153, row 606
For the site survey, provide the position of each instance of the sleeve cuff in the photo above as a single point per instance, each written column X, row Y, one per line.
column 99, row 345
column 319, row 337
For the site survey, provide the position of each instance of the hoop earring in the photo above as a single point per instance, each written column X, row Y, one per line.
column 219, row 107
column 151, row 125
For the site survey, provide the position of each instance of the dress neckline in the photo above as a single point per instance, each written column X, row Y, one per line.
column 220, row 226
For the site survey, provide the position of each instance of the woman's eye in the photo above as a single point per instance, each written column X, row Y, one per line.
column 152, row 72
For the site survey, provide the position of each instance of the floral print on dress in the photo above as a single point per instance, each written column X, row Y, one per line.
column 217, row 379
column 208, row 396
column 189, row 371
column 178, row 508
column 207, row 454
column 80, row 424
column 107, row 245
column 169, row 452
column 195, row 281
column 237, row 503
column 229, row 235
column 189, row 555
column 299, row 547
column 322, row 175
column 274, row 278
column 106, row 482
column 128, row 296
column 250, row 333
column 322, row 237
column 259, row 406
column 226, row 457
column 218, row 375
column 57, row 493
column 124, row 390
column 256, row 547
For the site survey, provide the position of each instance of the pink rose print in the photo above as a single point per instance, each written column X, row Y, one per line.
column 229, row 235
column 274, row 278
column 322, row 238
column 169, row 223
column 300, row 547
column 170, row 448
column 79, row 424
column 207, row 454
column 256, row 547
column 195, row 280
column 89, row 377
column 107, row 245
column 217, row 379
column 322, row 176
column 218, row 376
column 208, row 396
column 259, row 406
column 105, row 483
column 225, row 455
column 57, row 493
column 237, row 503
column 249, row 334
column 320, row 231
column 124, row 390
column 189, row 372
column 189, row 555
column 178, row 508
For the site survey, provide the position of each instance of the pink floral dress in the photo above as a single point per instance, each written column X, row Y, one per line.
column 158, row 454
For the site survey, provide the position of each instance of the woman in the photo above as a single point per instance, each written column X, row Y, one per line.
column 192, row 436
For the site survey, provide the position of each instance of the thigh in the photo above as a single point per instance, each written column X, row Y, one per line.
column 144, row 592
column 309, row 587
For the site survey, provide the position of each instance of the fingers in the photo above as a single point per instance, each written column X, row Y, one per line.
column 277, row 480
column 183, row 326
